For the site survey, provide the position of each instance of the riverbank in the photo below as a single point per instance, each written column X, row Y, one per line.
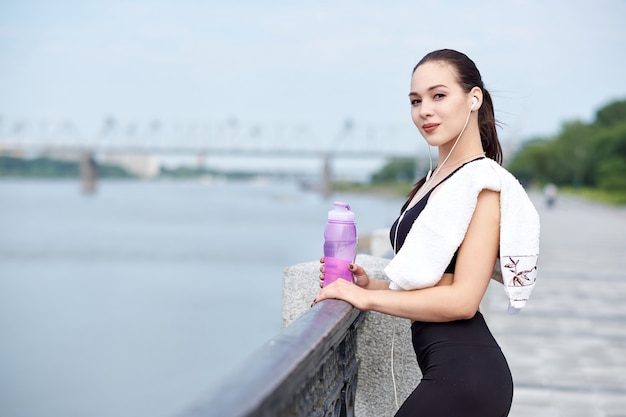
column 611, row 198
column 402, row 189
column 395, row 189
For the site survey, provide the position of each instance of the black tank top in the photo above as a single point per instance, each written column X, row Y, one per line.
column 413, row 213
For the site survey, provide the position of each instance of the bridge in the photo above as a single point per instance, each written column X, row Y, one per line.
column 132, row 145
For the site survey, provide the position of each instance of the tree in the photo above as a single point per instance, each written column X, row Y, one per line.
column 532, row 162
column 610, row 146
column 397, row 170
column 582, row 154
column 573, row 155
column 611, row 114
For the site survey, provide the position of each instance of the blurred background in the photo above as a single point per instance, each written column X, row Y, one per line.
column 161, row 162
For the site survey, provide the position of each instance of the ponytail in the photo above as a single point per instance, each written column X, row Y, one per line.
column 416, row 187
column 487, row 125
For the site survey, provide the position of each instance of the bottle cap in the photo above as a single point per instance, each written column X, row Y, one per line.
column 341, row 212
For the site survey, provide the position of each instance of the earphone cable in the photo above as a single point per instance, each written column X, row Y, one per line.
column 393, row 376
column 430, row 178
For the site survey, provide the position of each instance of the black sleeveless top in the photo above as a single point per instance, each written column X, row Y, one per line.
column 413, row 213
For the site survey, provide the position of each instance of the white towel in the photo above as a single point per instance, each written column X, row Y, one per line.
column 440, row 229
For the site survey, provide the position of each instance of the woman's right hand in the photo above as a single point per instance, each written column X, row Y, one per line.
column 360, row 277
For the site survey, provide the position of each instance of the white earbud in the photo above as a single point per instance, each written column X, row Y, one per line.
column 474, row 103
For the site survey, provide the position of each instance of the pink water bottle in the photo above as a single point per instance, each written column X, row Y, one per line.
column 340, row 241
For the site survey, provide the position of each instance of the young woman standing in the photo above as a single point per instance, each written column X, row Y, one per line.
column 457, row 222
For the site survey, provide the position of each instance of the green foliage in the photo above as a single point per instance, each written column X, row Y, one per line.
column 612, row 140
column 183, row 172
column 113, row 171
column 39, row 167
column 611, row 114
column 397, row 170
column 581, row 155
column 52, row 168
column 612, row 174
column 532, row 162
column 394, row 189
column 597, row 194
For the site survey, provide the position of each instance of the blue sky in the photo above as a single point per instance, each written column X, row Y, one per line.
column 310, row 62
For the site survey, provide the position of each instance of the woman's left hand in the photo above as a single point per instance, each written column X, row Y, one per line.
column 343, row 290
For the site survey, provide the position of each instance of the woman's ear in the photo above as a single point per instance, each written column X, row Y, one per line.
column 477, row 98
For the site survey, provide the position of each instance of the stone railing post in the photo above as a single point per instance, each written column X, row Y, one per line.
column 375, row 388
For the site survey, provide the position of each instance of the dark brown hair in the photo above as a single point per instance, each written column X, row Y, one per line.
column 468, row 77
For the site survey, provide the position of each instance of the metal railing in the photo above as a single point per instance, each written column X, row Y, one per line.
column 308, row 370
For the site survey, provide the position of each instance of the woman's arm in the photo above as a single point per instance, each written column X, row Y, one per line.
column 460, row 299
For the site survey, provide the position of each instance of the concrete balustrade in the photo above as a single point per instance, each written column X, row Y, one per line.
column 329, row 360
column 375, row 388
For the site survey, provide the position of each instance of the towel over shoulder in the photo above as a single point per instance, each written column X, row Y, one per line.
column 440, row 229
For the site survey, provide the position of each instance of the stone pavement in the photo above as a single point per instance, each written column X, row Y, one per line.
column 567, row 348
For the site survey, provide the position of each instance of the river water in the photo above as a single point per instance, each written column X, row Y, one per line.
column 136, row 300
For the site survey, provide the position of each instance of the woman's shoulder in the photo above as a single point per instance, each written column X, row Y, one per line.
column 487, row 170
column 482, row 173
column 487, row 165
column 472, row 178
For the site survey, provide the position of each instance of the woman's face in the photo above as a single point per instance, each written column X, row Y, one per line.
column 439, row 106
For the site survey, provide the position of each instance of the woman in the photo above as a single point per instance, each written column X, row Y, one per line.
column 457, row 222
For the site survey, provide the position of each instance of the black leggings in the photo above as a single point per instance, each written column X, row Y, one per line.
column 464, row 372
